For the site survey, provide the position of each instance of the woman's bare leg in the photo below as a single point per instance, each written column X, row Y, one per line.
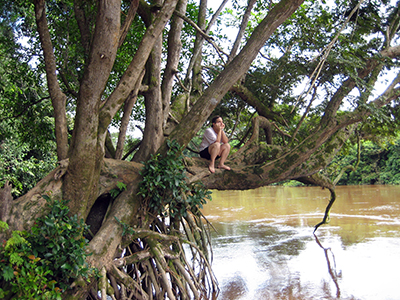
column 214, row 150
column 224, row 152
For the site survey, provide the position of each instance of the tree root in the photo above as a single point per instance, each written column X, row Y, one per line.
column 168, row 260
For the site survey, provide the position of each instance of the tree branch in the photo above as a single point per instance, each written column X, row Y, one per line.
column 199, row 41
column 133, row 71
column 57, row 97
column 83, row 25
column 242, row 29
column 129, row 103
column 203, row 34
column 174, row 51
column 350, row 83
column 128, row 21
column 203, row 107
column 247, row 96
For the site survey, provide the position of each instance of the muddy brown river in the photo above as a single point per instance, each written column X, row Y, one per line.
column 264, row 247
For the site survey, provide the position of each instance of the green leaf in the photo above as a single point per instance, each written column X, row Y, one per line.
column 16, row 259
column 3, row 226
column 8, row 273
column 66, row 266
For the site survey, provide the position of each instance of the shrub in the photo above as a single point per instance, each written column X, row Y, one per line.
column 164, row 185
column 43, row 263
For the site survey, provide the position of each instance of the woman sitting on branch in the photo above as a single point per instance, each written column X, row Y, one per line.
column 215, row 144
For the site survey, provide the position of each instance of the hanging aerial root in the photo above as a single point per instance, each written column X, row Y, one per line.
column 165, row 261
column 187, row 278
column 326, row 218
column 161, row 264
column 129, row 282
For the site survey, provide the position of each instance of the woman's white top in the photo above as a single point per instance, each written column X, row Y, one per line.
column 209, row 137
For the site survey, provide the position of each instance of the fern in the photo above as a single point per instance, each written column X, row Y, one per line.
column 16, row 259
column 3, row 226
column 15, row 240
column 8, row 273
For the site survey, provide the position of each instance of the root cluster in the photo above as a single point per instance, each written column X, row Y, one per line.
column 169, row 259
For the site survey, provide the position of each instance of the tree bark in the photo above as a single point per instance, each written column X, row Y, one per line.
column 200, row 39
column 83, row 25
column 58, row 98
column 153, row 130
column 130, row 102
column 197, row 78
column 174, row 51
column 134, row 70
column 5, row 201
column 86, row 153
column 128, row 21
column 247, row 96
column 88, row 175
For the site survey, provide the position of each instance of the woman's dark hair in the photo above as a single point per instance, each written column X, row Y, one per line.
column 214, row 119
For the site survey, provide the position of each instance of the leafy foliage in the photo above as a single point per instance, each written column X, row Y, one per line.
column 378, row 164
column 27, row 141
column 43, row 263
column 165, row 188
column 23, row 166
column 120, row 188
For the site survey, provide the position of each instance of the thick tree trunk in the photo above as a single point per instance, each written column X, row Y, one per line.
column 86, row 153
column 88, row 176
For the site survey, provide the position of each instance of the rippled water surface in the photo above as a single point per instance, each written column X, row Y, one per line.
column 264, row 247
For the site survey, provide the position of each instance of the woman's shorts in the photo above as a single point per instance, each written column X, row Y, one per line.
column 205, row 154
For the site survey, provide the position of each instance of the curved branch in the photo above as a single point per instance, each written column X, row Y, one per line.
column 317, row 179
column 258, row 123
column 247, row 96
column 128, row 106
column 326, row 218
column 324, row 182
column 349, row 84
column 391, row 93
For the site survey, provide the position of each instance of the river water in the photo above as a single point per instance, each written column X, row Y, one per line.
column 264, row 246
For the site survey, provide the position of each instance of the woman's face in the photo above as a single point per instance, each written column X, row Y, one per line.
column 219, row 122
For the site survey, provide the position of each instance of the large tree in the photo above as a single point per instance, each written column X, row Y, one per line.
column 100, row 56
